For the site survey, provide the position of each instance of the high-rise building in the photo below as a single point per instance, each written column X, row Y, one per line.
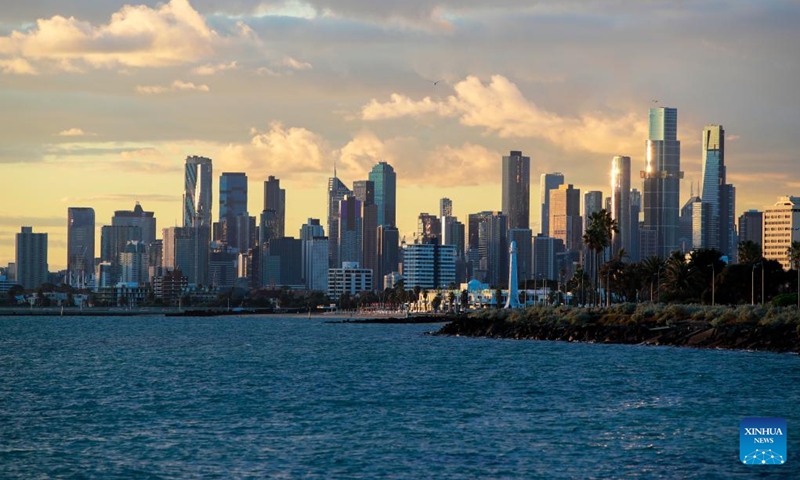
column 350, row 279
column 187, row 249
column 524, row 241
column 429, row 228
column 337, row 191
column 429, row 265
column 750, row 226
column 113, row 240
column 275, row 201
column 315, row 263
column 388, row 251
column 233, row 209
column 566, row 222
column 621, row 203
column 718, row 219
column 137, row 217
column 662, row 176
column 548, row 181
column 134, row 263
column 545, row 253
column 197, row 195
column 493, row 247
column 517, row 189
column 80, row 245
column 781, row 228
column 385, row 180
column 592, row 203
column 350, row 230
column 279, row 265
column 31, row 258
column 445, row 207
column 364, row 191
column 636, row 208
column 453, row 233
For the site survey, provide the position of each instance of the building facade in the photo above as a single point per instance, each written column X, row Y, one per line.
column 781, row 228
column 197, row 195
column 384, row 179
column 337, row 191
column 751, row 226
column 429, row 265
column 80, row 245
column 548, row 182
column 566, row 222
column 621, row 203
column 137, row 217
column 350, row 279
column 516, row 184
column 31, row 258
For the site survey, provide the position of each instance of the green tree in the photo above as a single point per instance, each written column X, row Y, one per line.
column 598, row 236
column 652, row 273
column 794, row 258
column 749, row 252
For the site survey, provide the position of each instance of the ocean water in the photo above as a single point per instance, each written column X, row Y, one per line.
column 266, row 397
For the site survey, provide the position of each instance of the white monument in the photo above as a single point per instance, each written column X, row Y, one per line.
column 513, row 289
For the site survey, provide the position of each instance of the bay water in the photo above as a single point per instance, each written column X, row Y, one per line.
column 269, row 397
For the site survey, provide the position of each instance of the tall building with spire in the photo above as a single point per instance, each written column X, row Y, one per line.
column 384, row 178
column 662, row 176
column 621, row 203
column 197, row 195
column 548, row 181
column 337, row 191
column 716, row 195
column 517, row 189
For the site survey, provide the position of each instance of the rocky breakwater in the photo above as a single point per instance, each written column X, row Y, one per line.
column 749, row 328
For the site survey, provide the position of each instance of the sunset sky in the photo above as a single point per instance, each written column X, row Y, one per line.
column 102, row 100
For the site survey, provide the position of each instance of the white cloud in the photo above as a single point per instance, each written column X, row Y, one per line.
column 211, row 69
column 75, row 132
column 17, row 66
column 296, row 64
column 176, row 86
column 172, row 33
column 500, row 108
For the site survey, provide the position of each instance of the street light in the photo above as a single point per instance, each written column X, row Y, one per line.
column 713, row 284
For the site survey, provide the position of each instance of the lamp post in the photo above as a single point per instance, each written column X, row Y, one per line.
column 713, row 284
column 753, row 285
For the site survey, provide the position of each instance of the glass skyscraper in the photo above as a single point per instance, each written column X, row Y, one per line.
column 517, row 189
column 549, row 181
column 233, row 205
column 385, row 181
column 336, row 193
column 197, row 195
column 80, row 245
column 662, row 177
column 621, row 203
column 716, row 195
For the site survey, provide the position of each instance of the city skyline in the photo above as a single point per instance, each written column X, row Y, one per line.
column 102, row 128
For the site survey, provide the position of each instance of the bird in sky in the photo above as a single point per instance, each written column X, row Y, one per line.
column 435, row 82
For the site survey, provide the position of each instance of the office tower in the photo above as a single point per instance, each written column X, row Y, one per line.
column 31, row 258
column 311, row 229
column 314, row 268
column 364, row 191
column 545, row 252
column 197, row 195
column 187, row 249
column 137, row 217
column 429, row 228
column 337, row 191
column 453, row 233
column 524, row 243
column 781, row 228
column 80, row 245
column 636, row 207
column 350, row 279
column 662, row 176
column 113, row 240
column 750, row 226
column 517, row 189
column 275, row 201
column 621, row 203
column 592, row 203
column 233, row 215
column 429, row 265
column 718, row 220
column 133, row 263
column 548, row 181
column 280, row 264
column 566, row 222
column 686, row 224
column 223, row 266
column 385, row 181
column 388, row 251
column 445, row 207
column 493, row 247
column 474, row 252
column 350, row 230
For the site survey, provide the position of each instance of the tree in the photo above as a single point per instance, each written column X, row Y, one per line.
column 598, row 236
column 749, row 252
column 652, row 271
column 794, row 257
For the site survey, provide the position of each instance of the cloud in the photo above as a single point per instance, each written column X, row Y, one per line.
column 732, row 138
column 172, row 33
column 295, row 64
column 212, row 69
column 176, row 86
column 119, row 198
column 500, row 108
column 75, row 132
column 28, row 220
column 17, row 66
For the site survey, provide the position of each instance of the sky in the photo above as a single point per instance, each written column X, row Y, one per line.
column 102, row 100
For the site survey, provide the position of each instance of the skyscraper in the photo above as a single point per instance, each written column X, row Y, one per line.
column 592, row 202
column 350, row 230
column 517, row 189
column 493, row 246
column 750, row 226
column 429, row 228
column 275, row 201
column 197, row 195
column 621, row 203
column 781, row 228
column 336, row 193
column 549, row 181
column 31, row 258
column 662, row 176
column 364, row 191
column 137, row 217
column 565, row 216
column 385, row 181
column 232, row 206
column 718, row 217
column 80, row 245
column 445, row 207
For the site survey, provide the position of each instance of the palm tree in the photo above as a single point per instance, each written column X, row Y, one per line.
column 794, row 257
column 652, row 268
column 598, row 236
column 749, row 252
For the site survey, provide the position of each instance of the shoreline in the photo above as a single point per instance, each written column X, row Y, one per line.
column 678, row 326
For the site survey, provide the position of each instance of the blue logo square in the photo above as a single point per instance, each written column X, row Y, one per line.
column 762, row 441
